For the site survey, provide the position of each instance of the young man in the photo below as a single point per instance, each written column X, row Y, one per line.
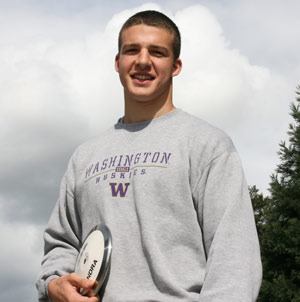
column 169, row 186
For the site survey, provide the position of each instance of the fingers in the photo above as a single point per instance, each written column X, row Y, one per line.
column 66, row 289
column 84, row 286
column 90, row 299
column 79, row 282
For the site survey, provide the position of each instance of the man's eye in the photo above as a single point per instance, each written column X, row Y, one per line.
column 157, row 53
column 130, row 51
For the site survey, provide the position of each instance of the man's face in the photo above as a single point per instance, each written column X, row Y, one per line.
column 146, row 63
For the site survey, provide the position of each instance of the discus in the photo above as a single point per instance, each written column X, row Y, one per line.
column 93, row 261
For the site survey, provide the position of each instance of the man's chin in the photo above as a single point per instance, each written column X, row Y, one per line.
column 141, row 96
column 144, row 99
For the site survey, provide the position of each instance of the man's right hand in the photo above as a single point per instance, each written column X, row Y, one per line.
column 66, row 289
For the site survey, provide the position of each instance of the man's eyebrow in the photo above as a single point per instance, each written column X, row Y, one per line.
column 151, row 46
column 131, row 45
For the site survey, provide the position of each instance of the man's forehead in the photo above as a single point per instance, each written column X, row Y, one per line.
column 139, row 34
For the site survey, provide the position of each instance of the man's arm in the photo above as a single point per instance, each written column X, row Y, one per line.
column 225, row 213
column 61, row 245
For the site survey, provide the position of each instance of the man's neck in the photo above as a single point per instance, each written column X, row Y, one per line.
column 146, row 114
column 140, row 111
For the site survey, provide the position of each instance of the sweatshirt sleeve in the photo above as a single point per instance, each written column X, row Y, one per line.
column 61, row 237
column 233, row 271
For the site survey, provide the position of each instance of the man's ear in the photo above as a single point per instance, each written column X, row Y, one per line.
column 117, row 62
column 177, row 67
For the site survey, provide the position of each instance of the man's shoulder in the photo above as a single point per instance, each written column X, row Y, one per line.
column 205, row 141
column 92, row 145
column 203, row 132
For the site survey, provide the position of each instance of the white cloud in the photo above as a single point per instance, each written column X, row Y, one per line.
column 218, row 81
column 21, row 246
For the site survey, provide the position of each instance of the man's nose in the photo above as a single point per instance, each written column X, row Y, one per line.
column 143, row 59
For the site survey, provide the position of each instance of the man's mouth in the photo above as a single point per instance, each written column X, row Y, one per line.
column 142, row 77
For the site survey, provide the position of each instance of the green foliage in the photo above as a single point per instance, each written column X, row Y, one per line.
column 277, row 219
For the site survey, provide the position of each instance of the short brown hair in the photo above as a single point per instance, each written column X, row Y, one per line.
column 157, row 19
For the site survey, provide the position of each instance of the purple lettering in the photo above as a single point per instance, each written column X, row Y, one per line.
column 166, row 157
column 112, row 161
column 137, row 158
column 96, row 168
column 119, row 189
column 128, row 160
column 146, row 154
column 104, row 164
column 88, row 171
column 155, row 157
column 120, row 160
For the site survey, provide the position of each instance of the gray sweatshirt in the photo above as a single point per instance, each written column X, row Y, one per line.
column 173, row 193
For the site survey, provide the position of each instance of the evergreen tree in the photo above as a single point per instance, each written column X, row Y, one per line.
column 278, row 220
column 260, row 204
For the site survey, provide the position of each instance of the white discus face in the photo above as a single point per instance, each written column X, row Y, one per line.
column 91, row 255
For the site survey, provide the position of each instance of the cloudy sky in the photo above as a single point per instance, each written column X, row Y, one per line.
column 58, row 88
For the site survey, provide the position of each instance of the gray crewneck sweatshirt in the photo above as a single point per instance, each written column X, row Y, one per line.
column 173, row 193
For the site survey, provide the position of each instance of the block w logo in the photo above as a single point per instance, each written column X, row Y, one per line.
column 119, row 189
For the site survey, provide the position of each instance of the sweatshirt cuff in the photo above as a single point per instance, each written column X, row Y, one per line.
column 47, row 281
